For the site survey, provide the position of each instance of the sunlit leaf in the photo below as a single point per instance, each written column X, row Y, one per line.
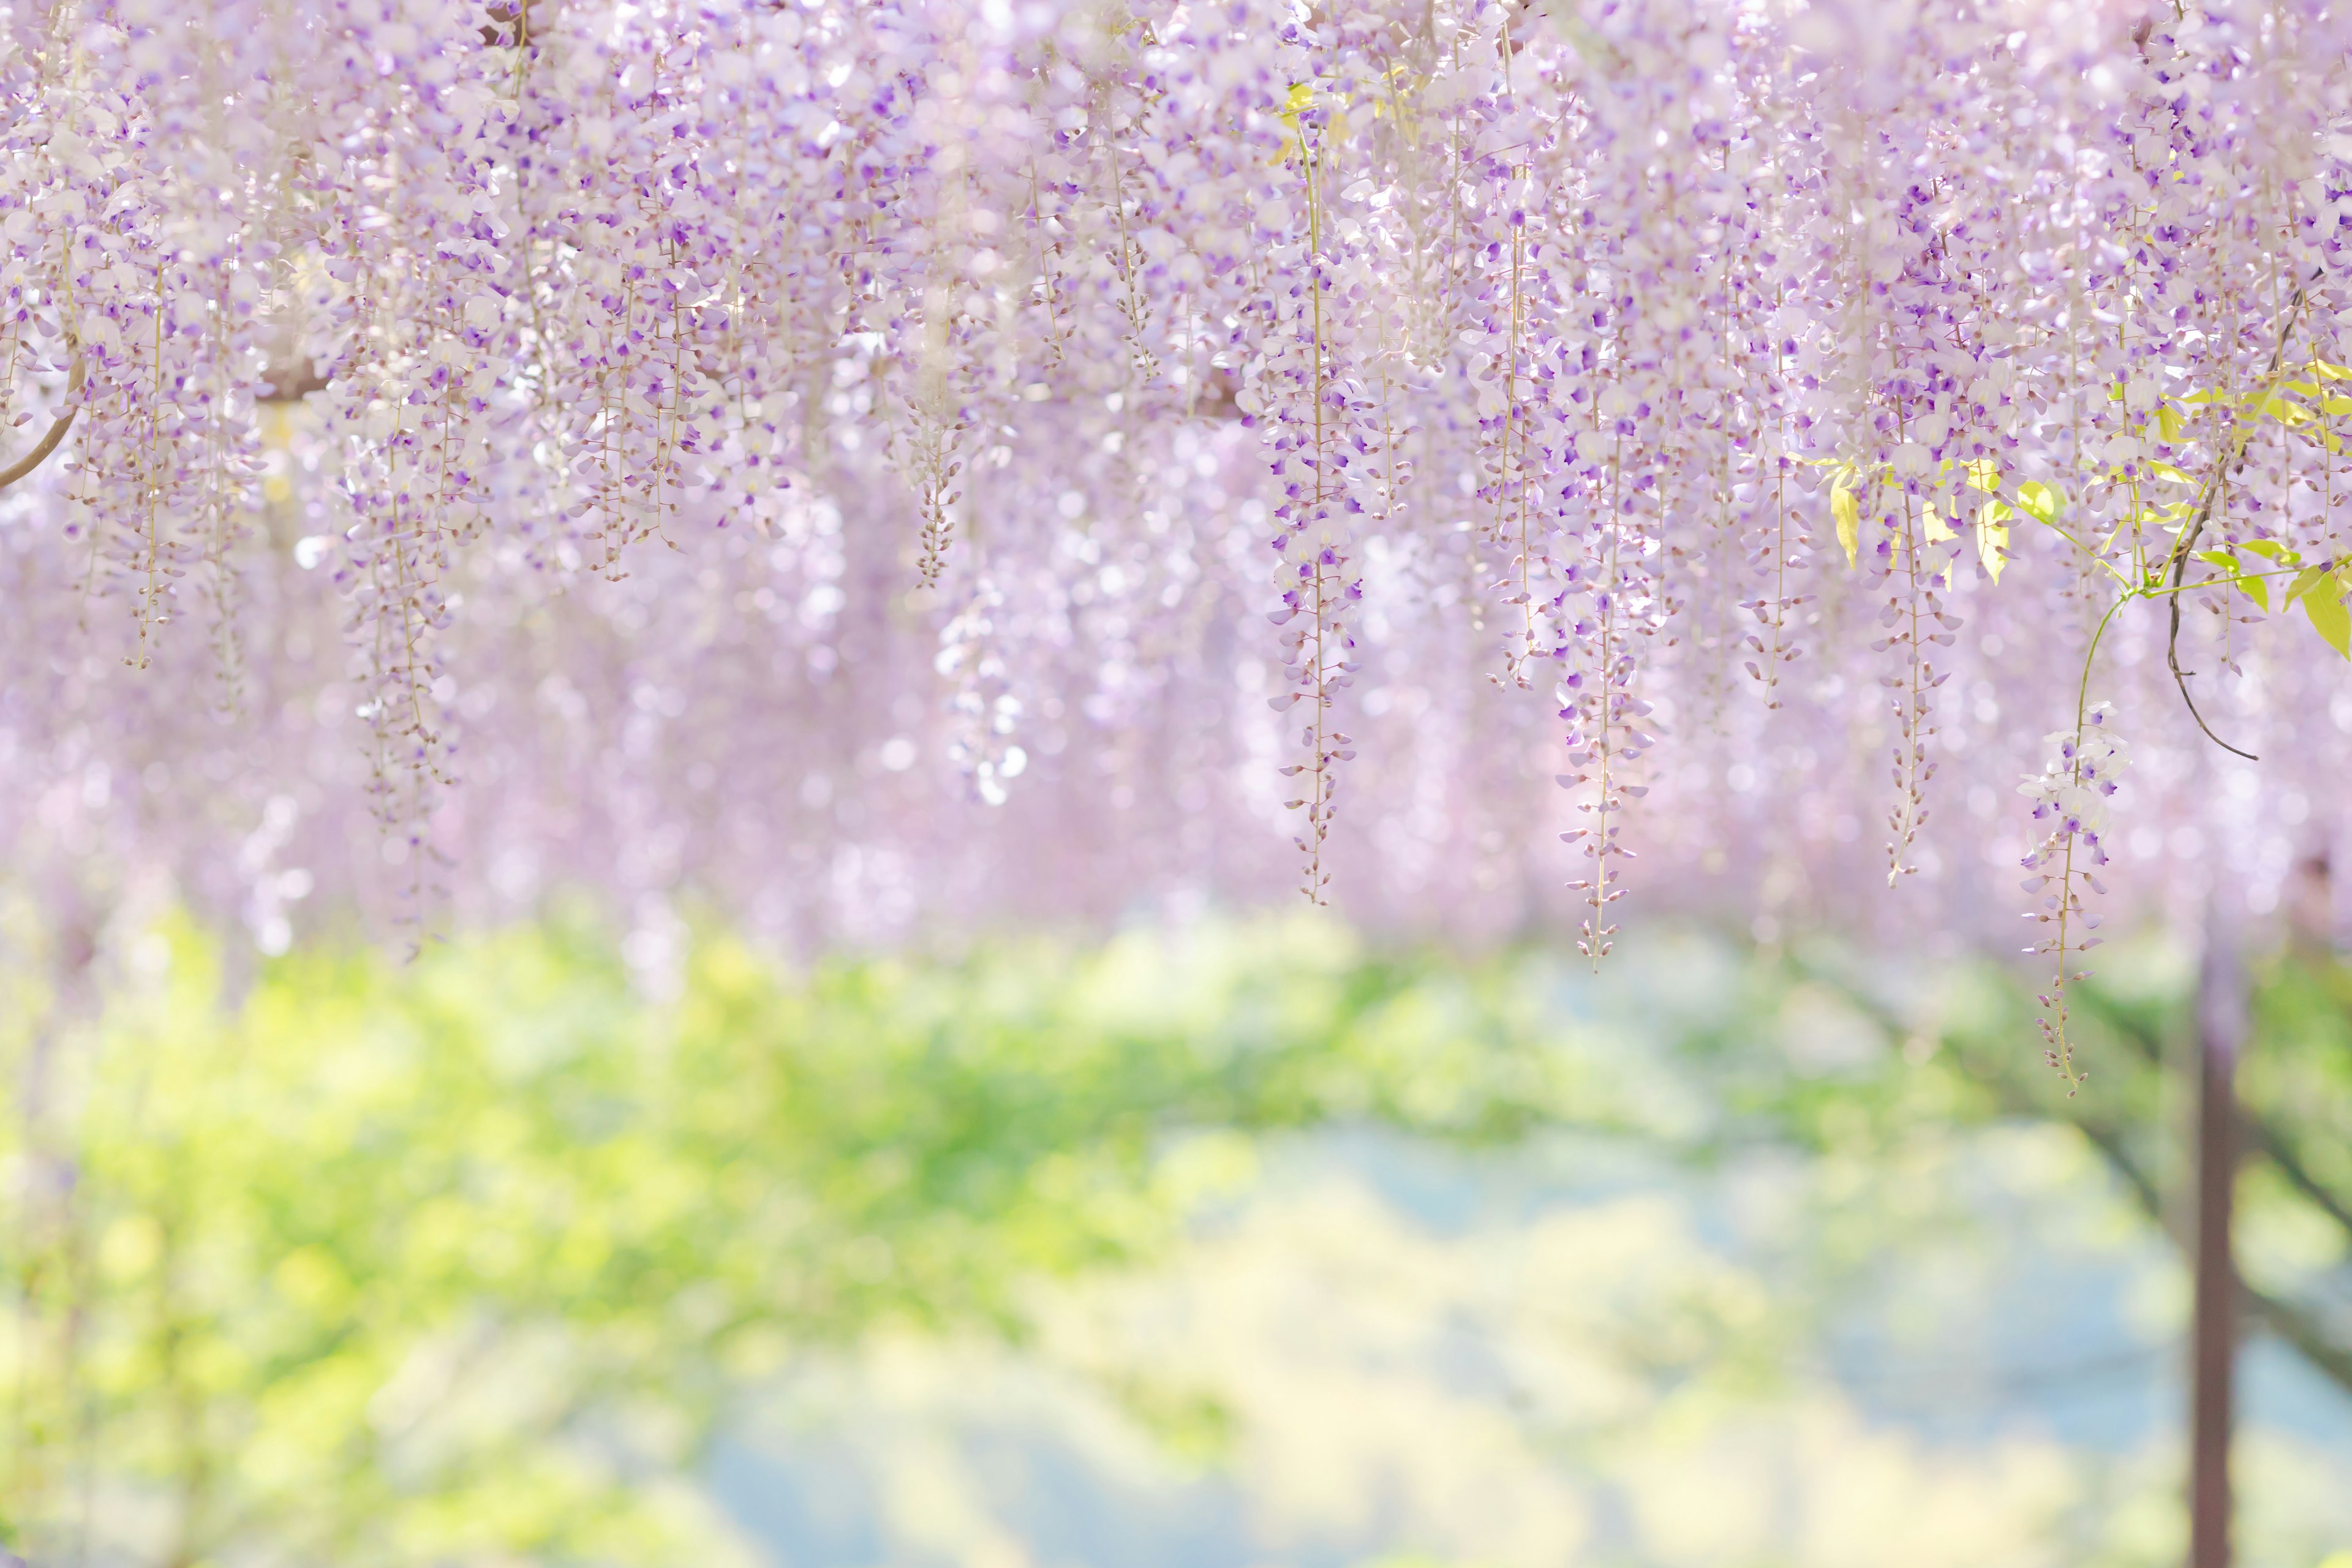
column 2040, row 502
column 2303, row 583
column 1848, row 512
column 2329, row 618
column 1992, row 540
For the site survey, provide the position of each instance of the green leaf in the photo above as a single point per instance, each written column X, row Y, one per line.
column 2271, row 549
column 1848, row 512
column 2285, row 410
column 2222, row 558
column 2040, row 502
column 1302, row 96
column 2330, row 619
column 2301, row 585
column 1992, row 538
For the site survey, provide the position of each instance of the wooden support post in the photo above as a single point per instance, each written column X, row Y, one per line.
column 2221, row 1029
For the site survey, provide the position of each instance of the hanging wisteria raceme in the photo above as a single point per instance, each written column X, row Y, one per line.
column 464, row 450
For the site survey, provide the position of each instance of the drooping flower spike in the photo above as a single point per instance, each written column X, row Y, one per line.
column 881, row 464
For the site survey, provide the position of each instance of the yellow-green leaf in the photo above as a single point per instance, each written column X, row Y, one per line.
column 1991, row 539
column 2285, row 410
column 1935, row 531
column 2040, row 502
column 1302, row 96
column 2330, row 620
column 1848, row 512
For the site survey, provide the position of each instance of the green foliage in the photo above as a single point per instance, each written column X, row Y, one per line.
column 2319, row 589
column 461, row 1261
column 1946, row 1060
column 392, row 1265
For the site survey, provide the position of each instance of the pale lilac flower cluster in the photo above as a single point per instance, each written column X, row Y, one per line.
column 2081, row 768
column 2079, row 771
column 867, row 467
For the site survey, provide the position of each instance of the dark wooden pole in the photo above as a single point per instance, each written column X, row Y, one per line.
column 2221, row 1029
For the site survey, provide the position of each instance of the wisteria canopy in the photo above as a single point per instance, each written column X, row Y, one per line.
column 864, row 467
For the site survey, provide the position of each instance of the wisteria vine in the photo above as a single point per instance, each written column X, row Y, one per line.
column 1694, row 366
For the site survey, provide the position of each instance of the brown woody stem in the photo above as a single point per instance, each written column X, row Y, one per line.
column 48, row 443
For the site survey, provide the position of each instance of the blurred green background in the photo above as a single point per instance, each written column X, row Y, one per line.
column 1243, row 1244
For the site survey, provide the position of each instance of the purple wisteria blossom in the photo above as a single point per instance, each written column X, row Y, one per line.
column 873, row 469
